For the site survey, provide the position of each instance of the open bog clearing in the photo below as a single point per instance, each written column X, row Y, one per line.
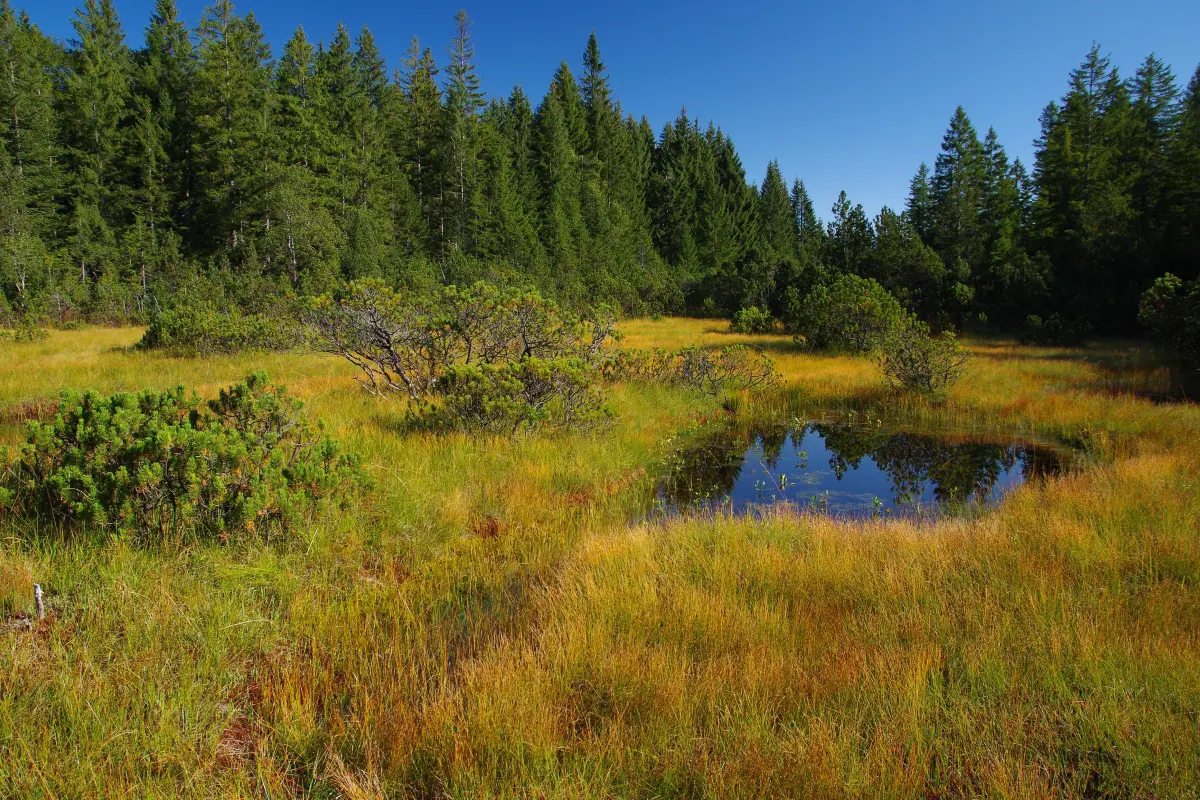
column 501, row 617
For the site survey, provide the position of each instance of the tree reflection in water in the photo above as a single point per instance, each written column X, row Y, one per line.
column 848, row 470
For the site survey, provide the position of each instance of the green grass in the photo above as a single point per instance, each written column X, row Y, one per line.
column 489, row 624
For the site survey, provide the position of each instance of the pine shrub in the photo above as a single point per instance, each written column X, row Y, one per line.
column 509, row 397
column 164, row 465
column 912, row 358
column 851, row 315
column 752, row 319
column 203, row 330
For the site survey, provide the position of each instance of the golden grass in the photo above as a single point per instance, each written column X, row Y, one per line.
column 490, row 625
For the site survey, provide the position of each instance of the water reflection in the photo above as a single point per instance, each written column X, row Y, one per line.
column 848, row 470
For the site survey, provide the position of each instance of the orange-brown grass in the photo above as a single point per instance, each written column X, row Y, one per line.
column 490, row 625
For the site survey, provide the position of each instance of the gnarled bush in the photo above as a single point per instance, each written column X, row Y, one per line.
column 500, row 360
column 164, row 464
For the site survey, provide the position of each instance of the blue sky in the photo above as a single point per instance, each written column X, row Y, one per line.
column 849, row 95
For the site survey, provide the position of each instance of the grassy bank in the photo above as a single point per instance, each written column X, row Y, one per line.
column 490, row 625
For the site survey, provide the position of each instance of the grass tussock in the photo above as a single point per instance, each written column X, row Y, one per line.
column 490, row 625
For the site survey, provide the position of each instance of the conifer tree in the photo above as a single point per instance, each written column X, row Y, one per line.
column 1084, row 193
column 848, row 238
column 957, row 198
column 776, row 217
column 502, row 231
column 810, row 235
column 162, row 100
column 418, row 134
column 95, row 112
column 716, row 233
column 560, row 214
column 231, row 107
column 602, row 119
column 297, row 104
column 1152, row 124
column 1182, row 253
column 29, row 170
column 367, row 228
column 906, row 266
column 464, row 100
column 673, row 194
column 920, row 204
column 570, row 101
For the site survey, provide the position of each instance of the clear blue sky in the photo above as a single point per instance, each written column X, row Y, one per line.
column 846, row 95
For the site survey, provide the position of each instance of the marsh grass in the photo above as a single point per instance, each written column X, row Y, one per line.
column 490, row 625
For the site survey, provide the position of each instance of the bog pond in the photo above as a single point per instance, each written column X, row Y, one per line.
column 849, row 470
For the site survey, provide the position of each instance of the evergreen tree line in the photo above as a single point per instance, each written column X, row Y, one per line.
column 203, row 165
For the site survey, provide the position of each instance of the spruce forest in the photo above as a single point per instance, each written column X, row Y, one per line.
column 207, row 164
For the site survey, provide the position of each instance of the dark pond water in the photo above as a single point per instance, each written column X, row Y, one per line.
column 848, row 471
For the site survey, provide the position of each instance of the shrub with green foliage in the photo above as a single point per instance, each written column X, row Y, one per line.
column 851, row 314
column 165, row 465
column 1053, row 331
column 508, row 397
column 914, row 359
column 752, row 319
column 25, row 332
column 204, row 329
column 647, row 366
column 499, row 359
column 1170, row 308
column 405, row 343
column 722, row 372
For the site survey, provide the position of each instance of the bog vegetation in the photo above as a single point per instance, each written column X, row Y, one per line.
column 489, row 615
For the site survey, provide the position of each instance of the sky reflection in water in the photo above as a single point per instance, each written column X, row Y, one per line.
column 848, row 471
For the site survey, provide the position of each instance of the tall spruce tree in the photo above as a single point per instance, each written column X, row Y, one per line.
column 1182, row 250
column 956, row 195
column 29, row 169
column 231, row 106
column 166, row 69
column 560, row 214
column 848, row 238
column 95, row 110
column 464, row 100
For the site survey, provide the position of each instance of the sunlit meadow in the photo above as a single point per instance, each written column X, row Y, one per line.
column 494, row 621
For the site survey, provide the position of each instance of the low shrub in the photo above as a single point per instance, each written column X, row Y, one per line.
column 508, row 397
column 165, row 465
column 914, row 359
column 1054, row 331
column 723, row 372
column 1170, row 308
column 648, row 366
column 752, row 319
column 205, row 330
column 851, row 315
column 719, row 373
column 25, row 332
